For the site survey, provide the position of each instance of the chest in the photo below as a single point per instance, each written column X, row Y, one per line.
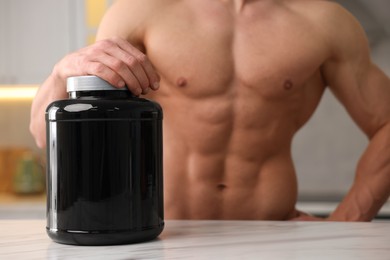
column 205, row 50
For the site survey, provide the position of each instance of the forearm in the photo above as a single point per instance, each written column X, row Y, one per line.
column 371, row 187
column 54, row 88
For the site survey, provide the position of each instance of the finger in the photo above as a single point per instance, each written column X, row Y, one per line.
column 143, row 60
column 123, row 70
column 80, row 63
column 129, row 68
column 110, row 55
column 103, row 71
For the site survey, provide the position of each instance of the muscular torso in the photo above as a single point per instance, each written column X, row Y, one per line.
column 235, row 88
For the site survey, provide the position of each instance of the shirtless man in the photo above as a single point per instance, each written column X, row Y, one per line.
column 237, row 79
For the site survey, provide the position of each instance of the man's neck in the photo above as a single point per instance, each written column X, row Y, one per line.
column 238, row 5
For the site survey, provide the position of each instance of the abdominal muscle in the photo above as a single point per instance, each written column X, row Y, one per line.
column 266, row 191
column 217, row 168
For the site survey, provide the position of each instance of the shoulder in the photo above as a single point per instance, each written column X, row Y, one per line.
column 324, row 14
column 337, row 27
column 318, row 8
column 129, row 19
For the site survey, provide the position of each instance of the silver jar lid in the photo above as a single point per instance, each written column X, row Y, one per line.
column 88, row 83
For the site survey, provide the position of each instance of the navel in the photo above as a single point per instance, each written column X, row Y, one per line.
column 288, row 85
column 221, row 186
column 181, row 82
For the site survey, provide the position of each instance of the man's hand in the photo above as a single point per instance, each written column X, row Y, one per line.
column 114, row 60
column 303, row 216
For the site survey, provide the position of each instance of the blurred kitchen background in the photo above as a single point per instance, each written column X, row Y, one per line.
column 34, row 35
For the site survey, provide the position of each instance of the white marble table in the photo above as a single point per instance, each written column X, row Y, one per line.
column 26, row 239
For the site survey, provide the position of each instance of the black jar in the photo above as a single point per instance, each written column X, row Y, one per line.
column 104, row 166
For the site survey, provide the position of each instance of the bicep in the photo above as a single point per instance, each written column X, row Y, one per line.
column 365, row 93
column 359, row 84
column 374, row 95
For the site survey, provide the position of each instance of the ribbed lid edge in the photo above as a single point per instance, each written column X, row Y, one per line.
column 88, row 83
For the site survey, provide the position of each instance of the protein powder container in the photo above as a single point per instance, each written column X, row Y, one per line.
column 104, row 166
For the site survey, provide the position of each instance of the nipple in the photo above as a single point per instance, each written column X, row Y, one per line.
column 288, row 84
column 181, row 82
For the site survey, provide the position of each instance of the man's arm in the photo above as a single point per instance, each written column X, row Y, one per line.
column 112, row 58
column 364, row 90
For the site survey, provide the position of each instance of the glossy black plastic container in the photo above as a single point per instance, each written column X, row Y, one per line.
column 104, row 172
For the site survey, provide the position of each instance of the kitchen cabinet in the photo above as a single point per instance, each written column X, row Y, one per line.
column 34, row 35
